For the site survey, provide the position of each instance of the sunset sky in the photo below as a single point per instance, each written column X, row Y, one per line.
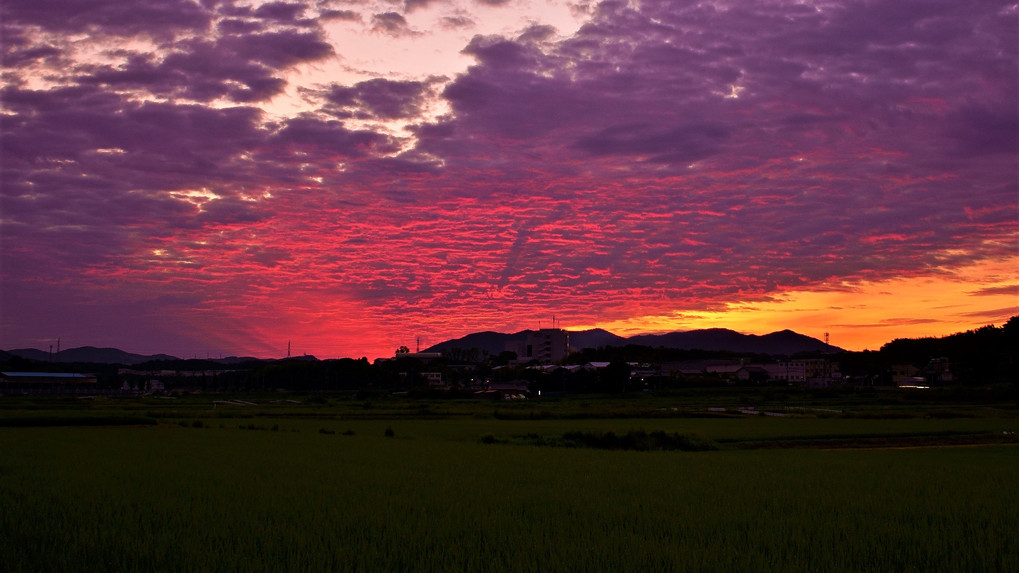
column 219, row 178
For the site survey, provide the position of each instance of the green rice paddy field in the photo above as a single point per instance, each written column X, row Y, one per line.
column 196, row 486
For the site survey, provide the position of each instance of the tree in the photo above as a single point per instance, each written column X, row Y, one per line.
column 615, row 376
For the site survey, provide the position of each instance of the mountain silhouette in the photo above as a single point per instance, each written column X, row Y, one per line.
column 595, row 338
column 88, row 354
column 488, row 341
column 784, row 342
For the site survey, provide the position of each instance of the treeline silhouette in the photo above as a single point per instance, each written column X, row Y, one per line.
column 986, row 355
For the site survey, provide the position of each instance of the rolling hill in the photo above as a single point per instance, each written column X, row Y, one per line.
column 88, row 354
column 785, row 342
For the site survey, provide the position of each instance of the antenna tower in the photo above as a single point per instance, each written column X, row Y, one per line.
column 288, row 349
column 826, row 339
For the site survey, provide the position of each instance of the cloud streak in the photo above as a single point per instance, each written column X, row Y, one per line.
column 201, row 160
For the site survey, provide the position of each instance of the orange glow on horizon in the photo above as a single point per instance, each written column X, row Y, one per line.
column 342, row 179
column 861, row 316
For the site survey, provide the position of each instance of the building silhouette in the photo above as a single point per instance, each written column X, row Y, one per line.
column 544, row 345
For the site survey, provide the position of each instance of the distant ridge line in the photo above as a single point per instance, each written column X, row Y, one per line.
column 92, row 354
column 783, row 342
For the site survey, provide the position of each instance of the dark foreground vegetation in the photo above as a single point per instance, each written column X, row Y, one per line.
column 701, row 479
column 306, row 465
column 634, row 440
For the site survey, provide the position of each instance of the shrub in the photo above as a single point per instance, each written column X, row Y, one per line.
column 637, row 440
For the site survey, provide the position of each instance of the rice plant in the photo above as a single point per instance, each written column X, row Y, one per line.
column 434, row 498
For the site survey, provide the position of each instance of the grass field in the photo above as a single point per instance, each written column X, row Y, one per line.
column 321, row 486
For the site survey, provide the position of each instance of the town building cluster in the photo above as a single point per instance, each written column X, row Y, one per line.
column 541, row 358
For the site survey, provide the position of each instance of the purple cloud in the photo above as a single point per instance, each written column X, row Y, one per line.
column 983, row 130
column 1000, row 290
column 194, row 75
column 239, row 67
column 155, row 17
column 379, row 98
column 348, row 15
column 278, row 49
column 238, row 26
column 327, row 139
column 283, row 12
column 391, row 23
column 457, row 22
column 683, row 85
column 666, row 155
column 679, row 144
column 15, row 57
column 411, row 5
